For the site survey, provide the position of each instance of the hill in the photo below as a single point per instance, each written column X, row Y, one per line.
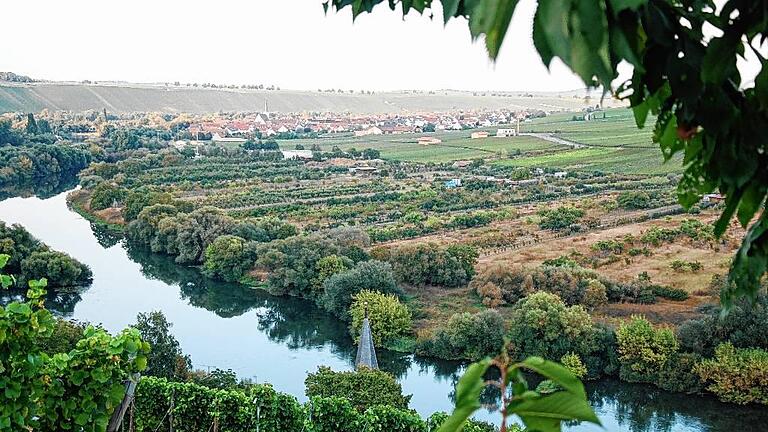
column 122, row 98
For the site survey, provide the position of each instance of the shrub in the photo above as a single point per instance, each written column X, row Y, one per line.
column 542, row 325
column 737, row 375
column 430, row 264
column 333, row 414
column 595, row 294
column 643, row 350
column 573, row 363
column 559, row 218
column 340, row 288
column 228, row 258
column 364, row 388
column 466, row 336
column 679, row 374
column 514, row 283
column 632, row 200
column 388, row 418
column 745, row 326
column 59, row 268
column 677, row 294
column 105, row 195
column 390, row 319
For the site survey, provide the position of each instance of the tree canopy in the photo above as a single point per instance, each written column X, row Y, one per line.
column 681, row 73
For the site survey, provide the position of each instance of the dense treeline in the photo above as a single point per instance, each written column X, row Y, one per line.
column 36, row 162
column 32, row 259
column 430, row 264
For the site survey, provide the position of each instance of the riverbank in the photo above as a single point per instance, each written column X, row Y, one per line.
column 260, row 336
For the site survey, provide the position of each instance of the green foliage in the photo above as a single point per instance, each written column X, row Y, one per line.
column 107, row 195
column 541, row 412
column 677, row 294
column 30, row 259
column 62, row 391
column 56, row 266
column 559, row 218
column 166, row 359
column 228, row 258
column 390, row 320
column 737, row 375
column 436, row 420
column 685, row 77
column 340, row 289
column 542, row 325
column 632, row 200
column 679, row 374
column 364, row 388
column 329, row 266
column 465, row 337
column 27, row 167
column 643, row 350
column 195, row 407
column 430, row 264
column 63, row 337
column 573, row 363
column 746, row 326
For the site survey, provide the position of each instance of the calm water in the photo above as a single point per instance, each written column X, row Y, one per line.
column 279, row 340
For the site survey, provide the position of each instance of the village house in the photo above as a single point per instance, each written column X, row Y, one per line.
column 373, row 130
column 479, row 134
column 506, row 132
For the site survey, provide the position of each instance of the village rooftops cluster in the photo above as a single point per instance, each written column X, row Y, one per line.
column 267, row 124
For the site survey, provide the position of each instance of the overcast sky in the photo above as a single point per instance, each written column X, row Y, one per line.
column 289, row 43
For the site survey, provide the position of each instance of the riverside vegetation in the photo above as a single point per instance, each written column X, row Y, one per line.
column 417, row 251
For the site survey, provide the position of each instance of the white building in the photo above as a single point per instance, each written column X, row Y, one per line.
column 506, row 132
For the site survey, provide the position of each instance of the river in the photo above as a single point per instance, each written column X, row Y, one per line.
column 279, row 340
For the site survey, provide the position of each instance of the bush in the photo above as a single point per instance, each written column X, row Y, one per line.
column 430, row 264
column 737, row 375
column 105, row 195
column 59, row 268
column 676, row 294
column 542, row 325
column 387, row 418
column 745, row 326
column 390, row 319
column 643, row 350
column 632, row 200
column 573, row 363
column 466, row 337
column 559, row 218
column 679, row 374
column 339, row 289
column 228, row 258
column 333, row 414
column 501, row 284
column 595, row 294
column 364, row 388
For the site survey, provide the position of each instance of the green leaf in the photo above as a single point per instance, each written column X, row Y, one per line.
column 4, row 260
column 620, row 5
column 751, row 202
column 732, row 199
column 545, row 414
column 450, row 8
column 492, row 18
column 719, row 61
column 748, row 267
column 556, row 373
column 468, row 392
column 554, row 18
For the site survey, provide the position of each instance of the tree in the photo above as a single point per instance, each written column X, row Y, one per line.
column 686, row 78
column 643, row 350
column 390, row 320
column 166, row 359
column 228, row 258
column 368, row 275
column 31, row 124
column 58, row 267
column 466, row 336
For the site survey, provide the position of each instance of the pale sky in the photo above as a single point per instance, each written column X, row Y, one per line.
column 289, row 43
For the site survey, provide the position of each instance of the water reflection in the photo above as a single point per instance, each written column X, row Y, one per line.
column 279, row 340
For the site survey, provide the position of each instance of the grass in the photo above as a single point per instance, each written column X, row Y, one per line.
column 616, row 145
column 456, row 145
